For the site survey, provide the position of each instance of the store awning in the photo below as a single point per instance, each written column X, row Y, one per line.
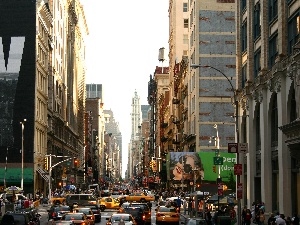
column 14, row 175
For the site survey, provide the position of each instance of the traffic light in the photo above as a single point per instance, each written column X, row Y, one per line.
column 214, row 169
column 46, row 163
column 76, row 163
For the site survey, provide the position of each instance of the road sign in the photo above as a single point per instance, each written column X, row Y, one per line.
column 238, row 169
column 239, row 190
column 243, row 147
column 218, row 160
column 233, row 147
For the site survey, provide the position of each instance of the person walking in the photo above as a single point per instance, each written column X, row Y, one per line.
column 247, row 218
column 261, row 217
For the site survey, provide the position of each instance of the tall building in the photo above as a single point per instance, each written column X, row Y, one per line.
column 268, row 64
column 112, row 127
column 94, row 91
column 42, row 76
column 134, row 158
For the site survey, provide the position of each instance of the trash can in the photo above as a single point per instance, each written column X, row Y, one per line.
column 224, row 220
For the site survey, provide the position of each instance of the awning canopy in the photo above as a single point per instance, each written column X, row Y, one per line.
column 14, row 175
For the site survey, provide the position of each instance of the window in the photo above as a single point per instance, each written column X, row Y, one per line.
column 185, row 7
column 257, row 64
column 244, row 36
column 185, row 53
column 186, row 23
column 243, row 5
column 256, row 21
column 273, row 50
column 273, row 10
column 185, row 39
column 244, row 75
column 274, row 122
column 293, row 32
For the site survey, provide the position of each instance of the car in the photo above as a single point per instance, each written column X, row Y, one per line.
column 57, row 211
column 85, row 200
column 16, row 218
column 77, row 218
column 88, row 212
column 61, row 222
column 109, row 203
column 166, row 214
column 194, row 221
column 105, row 193
column 144, row 206
column 57, row 200
column 117, row 217
column 139, row 197
column 137, row 213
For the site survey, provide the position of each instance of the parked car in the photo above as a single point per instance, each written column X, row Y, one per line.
column 166, row 214
column 56, row 211
column 116, row 218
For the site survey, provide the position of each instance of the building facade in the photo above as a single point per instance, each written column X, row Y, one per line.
column 268, row 68
column 45, row 78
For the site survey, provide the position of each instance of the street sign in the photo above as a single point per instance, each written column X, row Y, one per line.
column 218, row 160
column 239, row 193
column 243, row 147
column 238, row 169
column 233, row 147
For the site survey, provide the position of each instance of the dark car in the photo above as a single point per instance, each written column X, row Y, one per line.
column 144, row 206
column 136, row 212
column 195, row 221
column 13, row 218
column 56, row 211
column 97, row 213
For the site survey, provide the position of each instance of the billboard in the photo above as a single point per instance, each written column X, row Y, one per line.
column 182, row 166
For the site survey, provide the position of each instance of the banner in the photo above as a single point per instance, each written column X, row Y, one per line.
column 182, row 166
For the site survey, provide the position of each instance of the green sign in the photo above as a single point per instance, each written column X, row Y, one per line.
column 218, row 160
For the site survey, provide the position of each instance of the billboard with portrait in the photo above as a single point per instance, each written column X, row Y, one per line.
column 183, row 166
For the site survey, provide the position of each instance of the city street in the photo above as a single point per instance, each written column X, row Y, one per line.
column 106, row 214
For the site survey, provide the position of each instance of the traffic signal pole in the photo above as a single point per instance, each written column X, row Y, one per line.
column 52, row 166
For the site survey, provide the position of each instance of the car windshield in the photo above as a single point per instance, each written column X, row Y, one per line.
column 166, row 209
column 116, row 218
column 74, row 217
column 62, row 208
column 85, row 211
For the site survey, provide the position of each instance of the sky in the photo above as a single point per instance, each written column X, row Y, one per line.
column 122, row 51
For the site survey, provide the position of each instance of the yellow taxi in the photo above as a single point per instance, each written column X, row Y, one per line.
column 109, row 203
column 166, row 214
column 139, row 197
column 58, row 200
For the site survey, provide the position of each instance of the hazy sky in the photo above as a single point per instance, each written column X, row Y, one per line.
column 122, row 52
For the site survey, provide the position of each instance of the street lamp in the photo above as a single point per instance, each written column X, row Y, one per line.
column 193, row 66
column 22, row 153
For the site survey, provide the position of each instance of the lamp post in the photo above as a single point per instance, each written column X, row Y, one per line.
column 22, row 154
column 236, row 103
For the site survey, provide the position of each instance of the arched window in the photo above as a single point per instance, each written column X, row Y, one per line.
column 274, row 122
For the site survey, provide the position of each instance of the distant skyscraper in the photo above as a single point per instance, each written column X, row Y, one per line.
column 135, row 115
column 94, row 91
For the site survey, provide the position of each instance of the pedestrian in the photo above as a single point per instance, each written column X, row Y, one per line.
column 295, row 219
column 179, row 203
column 272, row 219
column 247, row 218
column 261, row 217
column 280, row 220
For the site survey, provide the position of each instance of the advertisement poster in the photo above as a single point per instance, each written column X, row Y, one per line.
column 184, row 165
